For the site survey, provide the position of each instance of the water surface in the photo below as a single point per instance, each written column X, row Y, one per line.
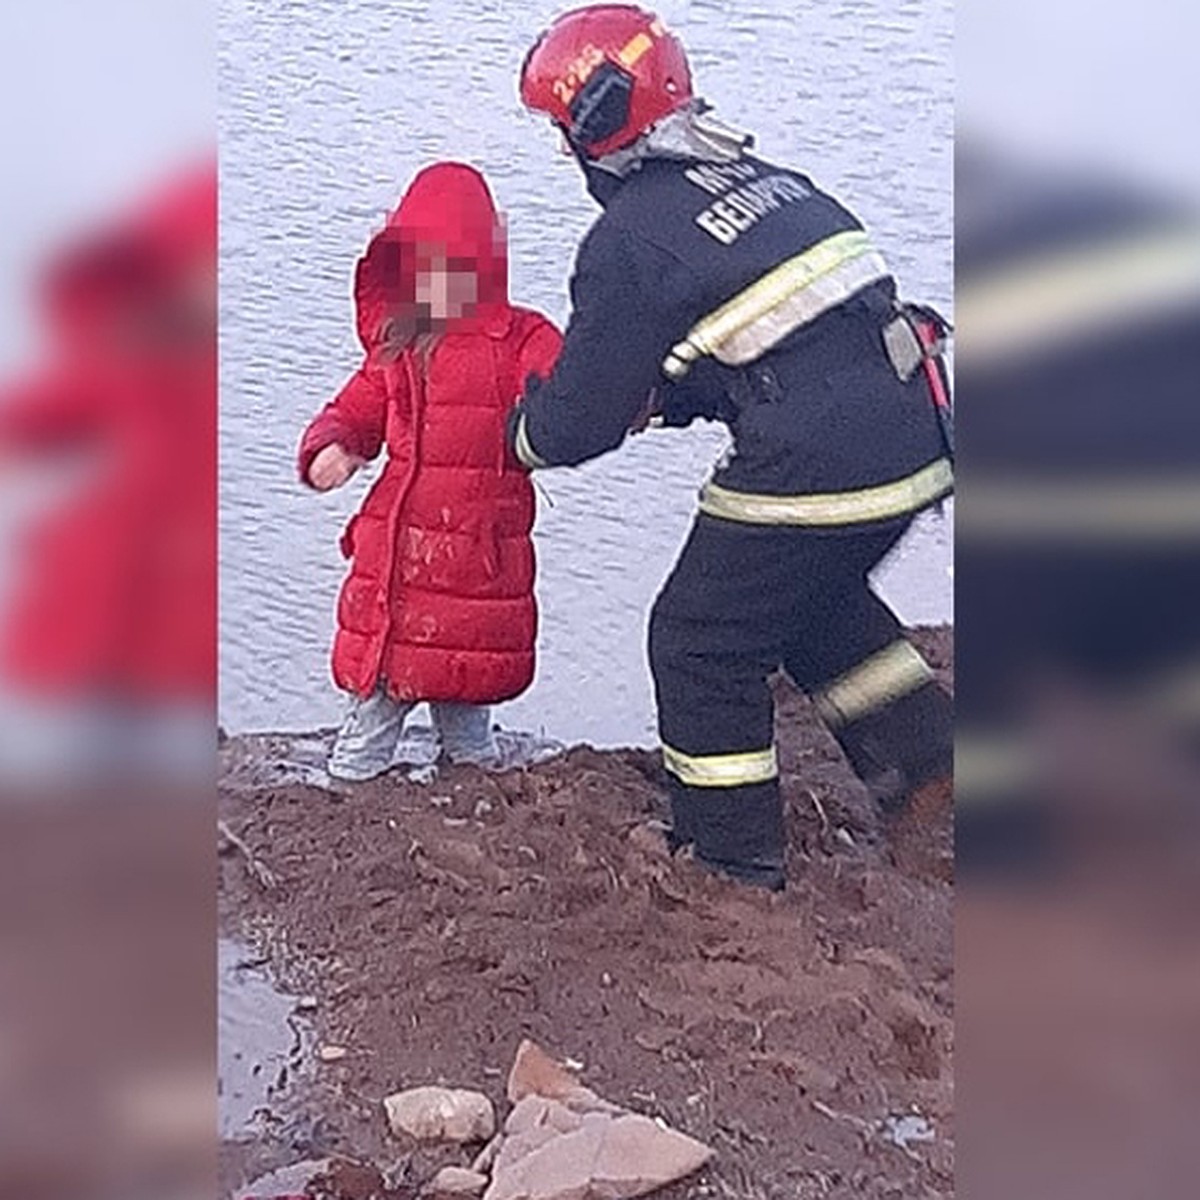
column 328, row 108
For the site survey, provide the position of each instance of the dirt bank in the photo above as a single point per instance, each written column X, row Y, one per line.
column 437, row 925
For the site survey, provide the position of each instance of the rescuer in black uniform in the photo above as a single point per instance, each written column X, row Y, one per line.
column 717, row 285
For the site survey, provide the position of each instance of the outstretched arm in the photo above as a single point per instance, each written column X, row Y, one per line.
column 623, row 316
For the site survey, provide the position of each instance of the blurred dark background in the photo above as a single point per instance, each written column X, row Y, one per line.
column 1077, row 579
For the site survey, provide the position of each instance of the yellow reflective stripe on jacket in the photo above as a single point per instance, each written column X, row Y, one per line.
column 721, row 770
column 524, row 449
column 1060, row 295
column 1094, row 510
column 793, row 294
column 832, row 508
column 876, row 682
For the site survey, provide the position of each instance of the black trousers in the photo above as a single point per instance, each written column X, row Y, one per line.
column 742, row 602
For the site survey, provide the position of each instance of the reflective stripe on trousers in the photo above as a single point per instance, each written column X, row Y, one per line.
column 722, row 770
column 876, row 682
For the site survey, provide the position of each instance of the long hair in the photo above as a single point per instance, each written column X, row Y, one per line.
column 401, row 332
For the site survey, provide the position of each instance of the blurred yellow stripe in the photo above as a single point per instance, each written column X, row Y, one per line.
column 1041, row 301
column 1095, row 510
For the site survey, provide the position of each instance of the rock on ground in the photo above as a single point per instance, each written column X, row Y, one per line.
column 458, row 1181
column 783, row 1030
column 437, row 1114
column 563, row 1142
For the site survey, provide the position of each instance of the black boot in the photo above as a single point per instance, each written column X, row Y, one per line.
column 736, row 831
column 902, row 748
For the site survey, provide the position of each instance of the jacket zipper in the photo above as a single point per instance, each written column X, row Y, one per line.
column 416, row 383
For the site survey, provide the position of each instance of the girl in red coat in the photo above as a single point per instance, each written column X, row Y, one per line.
column 439, row 603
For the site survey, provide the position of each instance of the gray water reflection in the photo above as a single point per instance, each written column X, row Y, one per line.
column 327, row 109
column 261, row 1042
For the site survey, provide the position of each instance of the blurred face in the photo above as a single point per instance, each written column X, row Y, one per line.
column 447, row 290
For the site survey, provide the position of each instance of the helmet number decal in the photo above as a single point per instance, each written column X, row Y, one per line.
column 578, row 72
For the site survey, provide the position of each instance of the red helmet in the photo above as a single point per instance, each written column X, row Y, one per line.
column 606, row 74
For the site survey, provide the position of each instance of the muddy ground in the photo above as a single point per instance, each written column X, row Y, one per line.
column 432, row 927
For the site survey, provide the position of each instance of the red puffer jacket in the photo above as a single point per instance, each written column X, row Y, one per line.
column 439, row 603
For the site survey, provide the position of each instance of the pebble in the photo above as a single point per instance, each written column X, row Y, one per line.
column 902, row 1130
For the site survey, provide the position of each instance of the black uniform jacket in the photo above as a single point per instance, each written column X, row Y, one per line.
column 823, row 411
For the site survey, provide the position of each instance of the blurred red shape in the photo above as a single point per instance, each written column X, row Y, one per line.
column 116, row 588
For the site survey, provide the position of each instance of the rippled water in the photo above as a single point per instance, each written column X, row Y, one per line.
column 328, row 108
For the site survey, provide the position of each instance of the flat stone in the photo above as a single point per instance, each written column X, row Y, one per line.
column 530, row 1112
column 518, row 1146
column 604, row 1157
column 638, row 1155
column 535, row 1073
column 458, row 1181
column 291, row 1180
column 438, row 1114
column 558, row 1169
column 563, row 1142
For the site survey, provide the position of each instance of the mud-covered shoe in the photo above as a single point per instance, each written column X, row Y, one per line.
column 679, row 832
column 932, row 795
column 738, row 831
column 508, row 750
column 894, row 791
column 767, row 875
column 347, row 770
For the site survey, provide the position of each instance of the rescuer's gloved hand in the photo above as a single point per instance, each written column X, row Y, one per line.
column 703, row 394
column 679, row 404
column 533, row 384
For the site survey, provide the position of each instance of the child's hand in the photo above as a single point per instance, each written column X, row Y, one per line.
column 332, row 467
